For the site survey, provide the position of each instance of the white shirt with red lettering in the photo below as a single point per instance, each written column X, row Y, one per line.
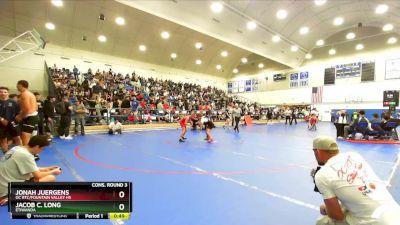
column 348, row 177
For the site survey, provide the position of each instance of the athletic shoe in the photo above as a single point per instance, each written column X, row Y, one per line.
column 68, row 138
column 62, row 137
column 181, row 140
column 184, row 138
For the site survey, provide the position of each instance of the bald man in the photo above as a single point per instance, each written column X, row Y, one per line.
column 352, row 193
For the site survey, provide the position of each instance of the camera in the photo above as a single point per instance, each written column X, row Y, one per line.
column 313, row 172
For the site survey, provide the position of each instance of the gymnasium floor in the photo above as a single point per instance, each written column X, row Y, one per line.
column 257, row 177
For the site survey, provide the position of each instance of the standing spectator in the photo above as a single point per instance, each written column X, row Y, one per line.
column 76, row 73
column 64, row 109
column 342, row 119
column 115, row 127
column 230, row 112
column 294, row 116
column 9, row 109
column 80, row 114
column 28, row 115
column 135, row 104
column 49, row 113
column 269, row 115
column 236, row 113
column 125, row 105
column 288, row 114
column 40, row 112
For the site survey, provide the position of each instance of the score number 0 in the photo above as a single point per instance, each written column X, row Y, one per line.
column 121, row 206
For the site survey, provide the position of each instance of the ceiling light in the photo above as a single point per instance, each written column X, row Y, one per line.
column 320, row 42
column 102, row 38
column 350, row 36
column 235, row 70
column 142, row 48
column 319, row 2
column 50, row 26
column 57, row 3
column 244, row 60
column 173, row 55
column 359, row 46
column 251, row 25
column 380, row 9
column 308, row 56
column 198, row 45
column 387, row 27
column 338, row 21
column 260, row 65
column 218, row 67
column 294, row 48
column 276, row 38
column 120, row 21
column 304, row 30
column 392, row 40
column 281, row 14
column 224, row 53
column 332, row 51
column 165, row 35
column 216, row 7
column 198, row 61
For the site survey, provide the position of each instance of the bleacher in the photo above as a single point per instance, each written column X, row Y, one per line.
column 137, row 100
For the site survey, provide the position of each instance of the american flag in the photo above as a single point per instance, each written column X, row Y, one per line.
column 316, row 96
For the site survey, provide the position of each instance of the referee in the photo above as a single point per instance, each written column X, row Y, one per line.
column 8, row 127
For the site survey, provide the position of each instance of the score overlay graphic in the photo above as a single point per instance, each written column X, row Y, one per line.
column 70, row 200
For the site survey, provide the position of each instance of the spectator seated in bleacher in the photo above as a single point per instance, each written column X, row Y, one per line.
column 376, row 125
column 131, row 118
column 349, row 129
column 362, row 125
column 93, row 119
column 96, row 89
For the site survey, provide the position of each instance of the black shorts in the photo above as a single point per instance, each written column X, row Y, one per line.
column 209, row 125
column 11, row 130
column 30, row 124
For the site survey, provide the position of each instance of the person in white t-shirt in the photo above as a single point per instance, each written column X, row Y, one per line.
column 353, row 194
column 315, row 112
column 18, row 165
column 288, row 114
column 115, row 127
